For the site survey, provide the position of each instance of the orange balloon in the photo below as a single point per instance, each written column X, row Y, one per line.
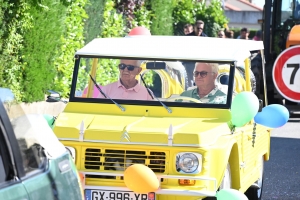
column 139, row 31
column 140, row 179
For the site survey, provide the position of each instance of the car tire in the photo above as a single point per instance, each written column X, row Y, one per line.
column 225, row 184
column 254, row 192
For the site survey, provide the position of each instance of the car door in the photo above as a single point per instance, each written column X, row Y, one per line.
column 11, row 169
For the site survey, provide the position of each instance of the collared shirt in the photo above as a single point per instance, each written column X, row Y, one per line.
column 216, row 96
column 117, row 91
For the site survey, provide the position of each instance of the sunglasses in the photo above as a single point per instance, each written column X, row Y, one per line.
column 122, row 66
column 203, row 74
column 220, row 35
column 199, row 28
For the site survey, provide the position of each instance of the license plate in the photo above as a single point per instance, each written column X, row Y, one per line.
column 116, row 195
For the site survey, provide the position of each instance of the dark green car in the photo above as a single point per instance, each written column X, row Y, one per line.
column 33, row 163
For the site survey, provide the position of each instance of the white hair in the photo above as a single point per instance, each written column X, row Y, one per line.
column 138, row 62
column 214, row 66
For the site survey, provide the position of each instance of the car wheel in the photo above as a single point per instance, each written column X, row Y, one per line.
column 255, row 191
column 226, row 182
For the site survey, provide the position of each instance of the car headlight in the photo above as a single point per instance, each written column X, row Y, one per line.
column 72, row 152
column 188, row 162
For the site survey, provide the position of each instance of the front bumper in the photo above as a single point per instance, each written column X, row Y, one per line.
column 184, row 192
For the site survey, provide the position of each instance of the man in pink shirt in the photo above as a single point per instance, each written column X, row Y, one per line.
column 127, row 87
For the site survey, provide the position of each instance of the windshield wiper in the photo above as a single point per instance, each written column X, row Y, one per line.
column 154, row 97
column 105, row 95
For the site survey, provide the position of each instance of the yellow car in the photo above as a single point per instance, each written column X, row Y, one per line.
column 196, row 144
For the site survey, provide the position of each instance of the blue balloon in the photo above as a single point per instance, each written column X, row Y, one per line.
column 272, row 116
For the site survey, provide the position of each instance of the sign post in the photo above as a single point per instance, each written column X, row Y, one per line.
column 286, row 74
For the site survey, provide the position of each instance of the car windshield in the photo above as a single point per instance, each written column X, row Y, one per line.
column 147, row 81
column 31, row 131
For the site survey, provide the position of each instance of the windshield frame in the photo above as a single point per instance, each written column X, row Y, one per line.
column 72, row 97
column 12, row 143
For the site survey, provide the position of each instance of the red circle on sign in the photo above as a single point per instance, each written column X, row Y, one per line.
column 277, row 73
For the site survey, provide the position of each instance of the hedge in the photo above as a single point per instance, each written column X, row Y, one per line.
column 38, row 38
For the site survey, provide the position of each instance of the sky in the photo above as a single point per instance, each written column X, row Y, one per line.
column 286, row 3
column 259, row 3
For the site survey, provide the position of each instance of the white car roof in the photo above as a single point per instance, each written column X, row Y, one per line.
column 172, row 47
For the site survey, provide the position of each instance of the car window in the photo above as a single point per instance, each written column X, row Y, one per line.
column 170, row 81
column 4, row 160
column 35, row 138
column 7, row 169
column 32, row 152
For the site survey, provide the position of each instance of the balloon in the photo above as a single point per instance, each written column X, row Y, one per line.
column 230, row 194
column 50, row 119
column 272, row 116
column 244, row 107
column 140, row 179
column 139, row 31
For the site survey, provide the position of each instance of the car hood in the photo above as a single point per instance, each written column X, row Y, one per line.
column 181, row 128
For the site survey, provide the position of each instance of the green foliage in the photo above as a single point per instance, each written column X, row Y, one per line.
column 213, row 16
column 149, row 78
column 183, row 13
column 3, row 7
column 92, row 25
column 72, row 40
column 188, row 11
column 142, row 17
column 113, row 23
column 112, row 26
column 162, row 19
column 38, row 42
column 40, row 49
column 15, row 20
column 38, row 38
column 109, row 72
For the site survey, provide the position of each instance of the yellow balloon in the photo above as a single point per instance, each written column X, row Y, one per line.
column 140, row 179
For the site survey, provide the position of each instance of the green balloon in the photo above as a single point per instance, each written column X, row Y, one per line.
column 244, row 107
column 230, row 194
column 50, row 119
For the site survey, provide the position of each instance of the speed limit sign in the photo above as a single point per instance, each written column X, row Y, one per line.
column 286, row 73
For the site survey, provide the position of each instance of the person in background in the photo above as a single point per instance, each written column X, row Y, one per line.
column 221, row 34
column 244, row 34
column 127, row 87
column 198, row 29
column 229, row 34
column 257, row 36
column 188, row 28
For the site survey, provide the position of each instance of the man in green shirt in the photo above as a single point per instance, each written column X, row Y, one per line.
column 206, row 90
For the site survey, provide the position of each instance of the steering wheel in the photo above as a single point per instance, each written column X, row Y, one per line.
column 185, row 98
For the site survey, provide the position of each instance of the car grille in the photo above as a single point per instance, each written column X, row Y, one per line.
column 119, row 160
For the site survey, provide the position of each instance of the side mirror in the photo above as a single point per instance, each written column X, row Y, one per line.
column 261, row 104
column 54, row 97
